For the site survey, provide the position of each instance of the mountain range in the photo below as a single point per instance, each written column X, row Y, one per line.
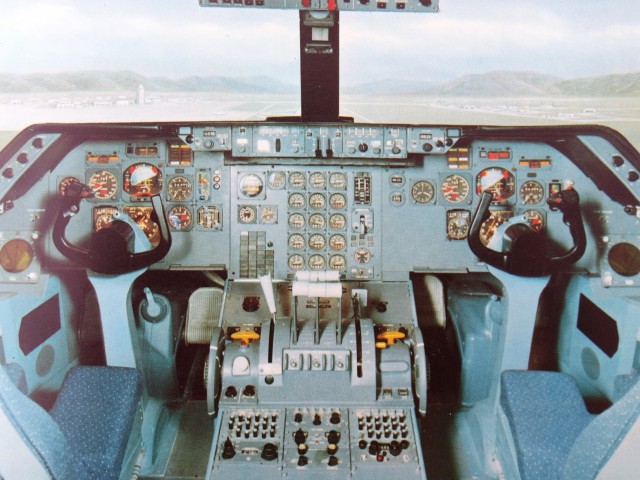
column 491, row 84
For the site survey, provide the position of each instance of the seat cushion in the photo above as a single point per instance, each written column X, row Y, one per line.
column 546, row 413
column 95, row 410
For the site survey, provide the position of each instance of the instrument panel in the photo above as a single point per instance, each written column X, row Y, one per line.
column 372, row 202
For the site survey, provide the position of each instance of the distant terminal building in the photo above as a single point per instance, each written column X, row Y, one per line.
column 140, row 95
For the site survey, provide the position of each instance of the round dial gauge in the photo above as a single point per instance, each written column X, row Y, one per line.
column 16, row 255
column 317, row 262
column 337, row 201
column 268, row 214
column 362, row 255
column 297, row 200
column 624, row 258
column 142, row 180
column 499, row 182
column 316, row 221
column 180, row 217
column 64, row 183
column 338, row 263
column 337, row 242
column 179, row 189
column 317, row 241
column 457, row 225
column 317, row 201
column 489, row 226
column 251, row 185
column 102, row 216
column 455, row 188
column 338, row 181
column 422, row 192
column 297, row 180
column 247, row 214
column 535, row 219
column 277, row 180
column 104, row 184
column 296, row 262
column 531, row 192
column 337, row 221
column 317, row 180
column 142, row 216
column 296, row 241
column 296, row 220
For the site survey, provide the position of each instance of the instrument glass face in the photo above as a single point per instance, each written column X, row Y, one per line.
column 142, row 180
column 499, row 182
column 455, row 188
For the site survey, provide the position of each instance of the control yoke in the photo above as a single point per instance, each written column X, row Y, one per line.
column 524, row 253
column 110, row 248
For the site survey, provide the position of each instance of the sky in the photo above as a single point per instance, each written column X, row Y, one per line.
column 176, row 38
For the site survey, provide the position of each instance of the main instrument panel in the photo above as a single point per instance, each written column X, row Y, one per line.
column 372, row 202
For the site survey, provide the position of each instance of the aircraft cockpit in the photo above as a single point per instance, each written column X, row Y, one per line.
column 316, row 297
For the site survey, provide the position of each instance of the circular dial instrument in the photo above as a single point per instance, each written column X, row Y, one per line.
column 316, row 221
column 317, row 180
column 297, row 180
column 296, row 221
column 338, row 181
column 535, row 219
column 455, row 188
column 317, row 262
column 337, row 201
column 338, row 263
column 180, row 218
column 142, row 180
column 179, row 189
column 317, row 242
column 422, row 192
column 102, row 216
column 297, row 200
column 489, row 226
column 337, row 221
column 247, row 214
column 142, row 216
column 337, row 242
column 251, row 185
column 16, row 255
column 362, row 255
column 269, row 214
column 296, row 262
column 317, row 201
column 624, row 258
column 104, row 184
column 457, row 224
column 64, row 184
column 531, row 192
column 296, row 241
column 277, row 180
column 499, row 182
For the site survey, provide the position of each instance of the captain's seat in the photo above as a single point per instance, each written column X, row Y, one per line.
column 86, row 433
column 554, row 435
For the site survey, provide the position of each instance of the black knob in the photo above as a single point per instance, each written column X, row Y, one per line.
column 300, row 436
column 333, row 436
column 189, row 139
column 333, row 461
column 335, row 418
column 228, row 451
column 269, row 452
column 231, row 392
column 427, row 147
column 297, row 417
column 249, row 391
column 394, row 448
column 381, row 307
column 362, row 444
column 317, row 420
column 374, row 448
column 404, row 444
column 302, row 461
column 363, row 147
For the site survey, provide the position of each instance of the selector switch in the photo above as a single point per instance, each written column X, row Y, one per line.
column 269, row 452
column 228, row 451
column 317, row 420
column 333, row 461
column 335, row 418
column 300, row 436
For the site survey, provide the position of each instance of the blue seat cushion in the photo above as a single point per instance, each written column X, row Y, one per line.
column 95, row 410
column 546, row 413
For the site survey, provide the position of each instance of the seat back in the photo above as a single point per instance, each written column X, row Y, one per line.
column 32, row 430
